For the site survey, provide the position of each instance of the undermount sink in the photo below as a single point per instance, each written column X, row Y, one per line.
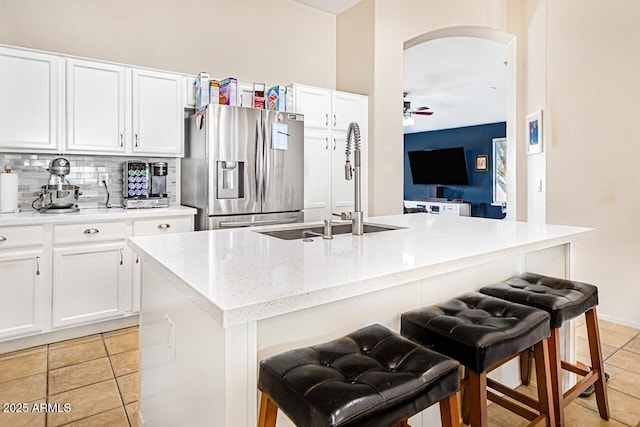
column 312, row 232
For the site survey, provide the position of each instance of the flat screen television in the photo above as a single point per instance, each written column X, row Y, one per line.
column 445, row 166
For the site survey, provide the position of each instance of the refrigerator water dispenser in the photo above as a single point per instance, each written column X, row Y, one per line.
column 230, row 180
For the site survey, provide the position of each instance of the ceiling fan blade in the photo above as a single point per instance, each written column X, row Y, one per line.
column 422, row 108
column 422, row 113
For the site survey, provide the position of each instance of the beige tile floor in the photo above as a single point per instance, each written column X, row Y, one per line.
column 98, row 377
column 621, row 350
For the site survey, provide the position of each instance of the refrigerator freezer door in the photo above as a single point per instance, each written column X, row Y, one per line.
column 283, row 182
column 235, row 221
column 233, row 160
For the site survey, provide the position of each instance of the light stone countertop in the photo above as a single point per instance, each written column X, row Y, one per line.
column 91, row 214
column 240, row 275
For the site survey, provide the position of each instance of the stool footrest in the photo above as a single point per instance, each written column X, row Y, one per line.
column 514, row 394
column 574, row 368
column 511, row 406
column 577, row 389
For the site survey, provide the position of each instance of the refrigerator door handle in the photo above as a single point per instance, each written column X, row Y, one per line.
column 257, row 164
column 232, row 224
column 265, row 164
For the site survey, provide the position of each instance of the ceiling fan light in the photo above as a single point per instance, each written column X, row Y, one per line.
column 408, row 120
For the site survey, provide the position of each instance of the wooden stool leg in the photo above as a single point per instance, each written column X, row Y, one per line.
column 555, row 370
column 595, row 351
column 543, row 374
column 525, row 366
column 477, row 389
column 268, row 412
column 449, row 415
column 466, row 400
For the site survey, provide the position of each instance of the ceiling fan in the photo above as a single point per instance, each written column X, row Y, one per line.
column 407, row 111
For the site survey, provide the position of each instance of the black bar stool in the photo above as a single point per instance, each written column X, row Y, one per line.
column 563, row 300
column 370, row 378
column 482, row 333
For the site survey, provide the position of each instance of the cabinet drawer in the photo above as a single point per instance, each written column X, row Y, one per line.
column 142, row 227
column 19, row 237
column 88, row 232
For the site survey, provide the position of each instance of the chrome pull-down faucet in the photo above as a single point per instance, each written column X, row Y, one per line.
column 356, row 216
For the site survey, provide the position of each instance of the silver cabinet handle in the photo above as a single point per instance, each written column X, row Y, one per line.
column 326, row 145
column 122, row 140
column 37, row 266
column 164, row 226
column 335, row 120
column 3, row 239
column 326, row 119
column 137, row 140
column 334, row 143
column 91, row 231
column 121, row 256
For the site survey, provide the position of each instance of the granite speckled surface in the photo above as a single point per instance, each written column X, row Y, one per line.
column 243, row 275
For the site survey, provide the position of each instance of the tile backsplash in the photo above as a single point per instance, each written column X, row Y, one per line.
column 32, row 174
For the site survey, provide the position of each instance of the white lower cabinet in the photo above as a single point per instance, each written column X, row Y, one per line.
column 90, row 282
column 23, row 304
column 154, row 226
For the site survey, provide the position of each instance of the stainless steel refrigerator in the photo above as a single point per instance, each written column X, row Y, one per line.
column 243, row 167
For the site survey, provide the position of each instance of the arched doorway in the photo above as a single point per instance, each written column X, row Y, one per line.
column 508, row 44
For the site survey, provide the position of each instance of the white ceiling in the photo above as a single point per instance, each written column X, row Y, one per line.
column 461, row 79
column 335, row 7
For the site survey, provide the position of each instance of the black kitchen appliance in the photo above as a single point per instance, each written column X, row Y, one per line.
column 138, row 185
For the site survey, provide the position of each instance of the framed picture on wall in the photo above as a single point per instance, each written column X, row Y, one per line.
column 535, row 132
column 482, row 163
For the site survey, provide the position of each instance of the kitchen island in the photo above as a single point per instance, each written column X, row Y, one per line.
column 215, row 303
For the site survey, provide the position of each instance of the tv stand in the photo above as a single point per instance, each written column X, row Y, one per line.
column 441, row 207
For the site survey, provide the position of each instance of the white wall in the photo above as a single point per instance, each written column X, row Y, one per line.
column 593, row 148
column 275, row 42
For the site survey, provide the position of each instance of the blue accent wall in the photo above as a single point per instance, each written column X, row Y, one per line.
column 475, row 140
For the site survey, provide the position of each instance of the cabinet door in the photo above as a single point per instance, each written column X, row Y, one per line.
column 342, row 191
column 23, row 294
column 97, row 100
column 347, row 108
column 158, row 113
column 317, row 176
column 29, row 101
column 154, row 226
column 90, row 282
column 315, row 104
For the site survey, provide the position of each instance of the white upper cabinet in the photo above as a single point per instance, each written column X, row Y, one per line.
column 30, row 91
column 158, row 113
column 347, row 108
column 97, row 100
column 315, row 104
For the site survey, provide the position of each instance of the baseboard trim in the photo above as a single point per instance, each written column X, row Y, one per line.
column 619, row 320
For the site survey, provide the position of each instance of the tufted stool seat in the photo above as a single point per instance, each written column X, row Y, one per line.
column 372, row 377
column 563, row 300
column 483, row 332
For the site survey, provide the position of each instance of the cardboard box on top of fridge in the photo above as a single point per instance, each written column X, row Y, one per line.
column 228, row 91
column 276, row 98
column 201, row 90
column 214, row 91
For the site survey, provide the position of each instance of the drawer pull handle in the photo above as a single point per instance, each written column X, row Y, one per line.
column 3, row 239
column 326, row 143
column 37, row 266
column 137, row 138
column 121, row 256
column 326, row 119
column 91, row 231
column 121, row 140
column 335, row 120
column 164, row 226
column 137, row 259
